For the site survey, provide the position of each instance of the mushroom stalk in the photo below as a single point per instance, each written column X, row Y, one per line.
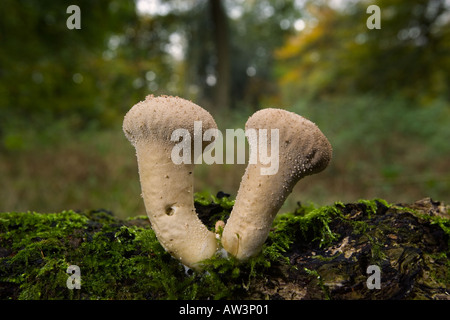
column 303, row 150
column 167, row 188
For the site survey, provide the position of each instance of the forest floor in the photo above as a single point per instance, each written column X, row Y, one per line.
column 369, row 249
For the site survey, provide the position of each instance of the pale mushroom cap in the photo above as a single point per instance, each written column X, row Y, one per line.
column 157, row 117
column 303, row 148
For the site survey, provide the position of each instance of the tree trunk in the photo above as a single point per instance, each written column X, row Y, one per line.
column 222, row 48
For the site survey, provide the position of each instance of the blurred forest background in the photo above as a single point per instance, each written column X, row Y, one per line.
column 381, row 96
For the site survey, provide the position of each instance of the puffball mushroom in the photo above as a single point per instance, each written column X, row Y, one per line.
column 303, row 150
column 167, row 188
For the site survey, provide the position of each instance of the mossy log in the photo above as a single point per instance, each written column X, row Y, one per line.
column 311, row 253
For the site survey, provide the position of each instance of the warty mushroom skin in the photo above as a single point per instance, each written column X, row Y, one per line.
column 167, row 188
column 303, row 150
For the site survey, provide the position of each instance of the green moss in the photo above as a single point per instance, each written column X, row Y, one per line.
column 443, row 223
column 117, row 259
column 212, row 208
column 305, row 225
column 373, row 205
column 124, row 260
column 320, row 282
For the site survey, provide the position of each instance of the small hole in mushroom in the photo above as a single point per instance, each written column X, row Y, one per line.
column 170, row 210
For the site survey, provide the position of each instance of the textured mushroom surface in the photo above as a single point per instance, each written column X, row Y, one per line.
column 303, row 150
column 167, row 188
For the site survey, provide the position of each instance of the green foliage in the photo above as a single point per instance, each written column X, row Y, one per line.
column 50, row 72
column 341, row 56
column 384, row 146
column 386, row 89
